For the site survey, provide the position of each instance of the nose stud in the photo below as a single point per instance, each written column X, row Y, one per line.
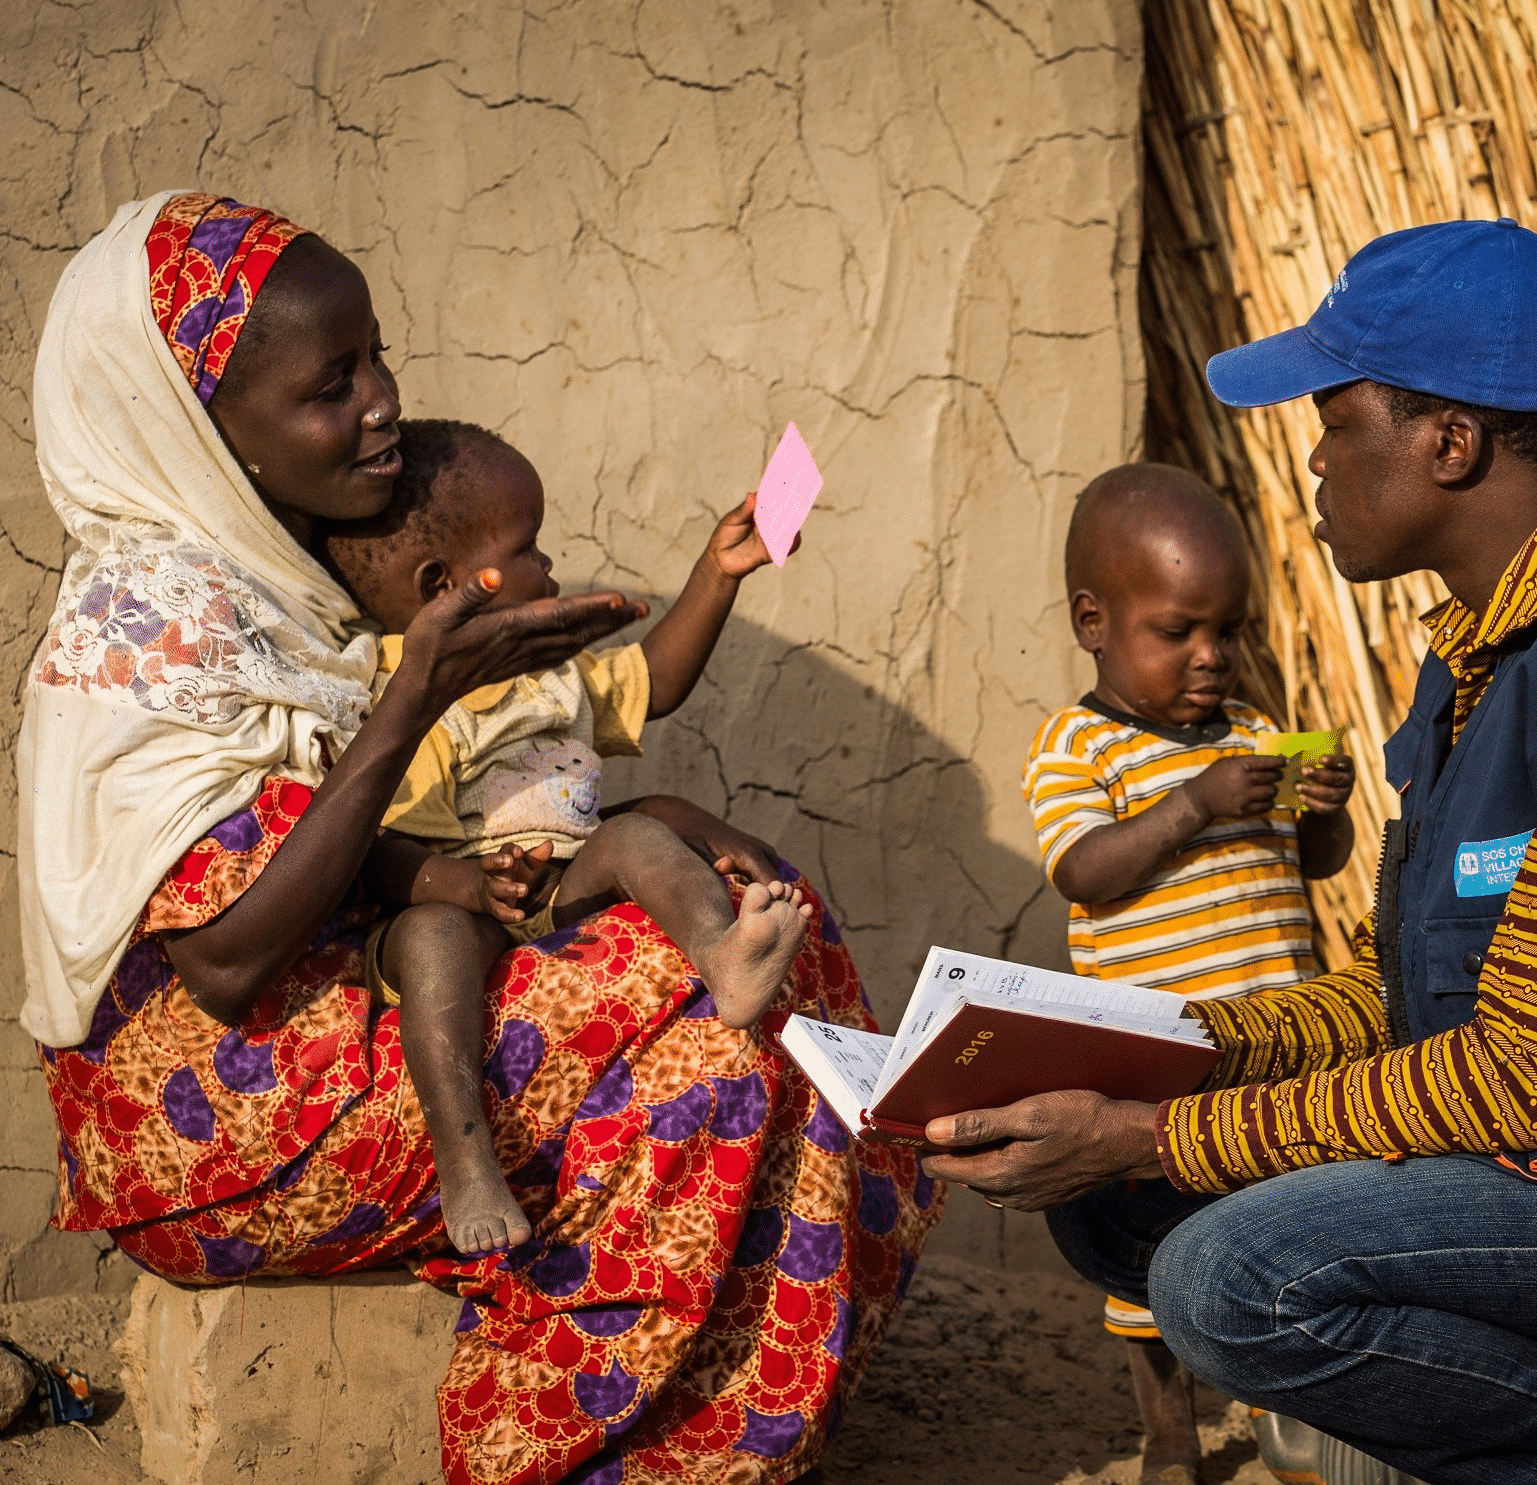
column 374, row 419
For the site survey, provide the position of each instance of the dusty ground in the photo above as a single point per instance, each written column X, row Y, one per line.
column 991, row 1377
column 79, row 1330
column 987, row 1377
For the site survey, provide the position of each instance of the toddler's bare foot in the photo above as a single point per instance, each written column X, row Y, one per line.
column 480, row 1213
column 745, row 966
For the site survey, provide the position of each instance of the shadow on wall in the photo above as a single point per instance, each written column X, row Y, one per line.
column 894, row 825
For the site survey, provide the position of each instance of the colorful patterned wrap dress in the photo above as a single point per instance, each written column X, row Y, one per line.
column 714, row 1259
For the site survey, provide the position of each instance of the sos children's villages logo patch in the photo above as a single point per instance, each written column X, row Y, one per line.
column 1337, row 287
column 1486, row 868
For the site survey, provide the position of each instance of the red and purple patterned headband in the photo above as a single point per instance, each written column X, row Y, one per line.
column 208, row 257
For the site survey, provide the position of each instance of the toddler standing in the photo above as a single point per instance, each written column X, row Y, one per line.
column 1157, row 819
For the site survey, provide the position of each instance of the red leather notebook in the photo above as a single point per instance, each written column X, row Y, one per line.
column 980, row 1033
column 989, row 1056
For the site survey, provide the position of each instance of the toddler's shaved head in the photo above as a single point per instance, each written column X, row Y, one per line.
column 1158, row 588
column 1128, row 512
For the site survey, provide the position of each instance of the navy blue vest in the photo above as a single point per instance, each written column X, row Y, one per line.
column 1448, row 862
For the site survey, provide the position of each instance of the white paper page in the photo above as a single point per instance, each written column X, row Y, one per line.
column 844, row 1064
column 999, row 980
column 906, row 1046
column 931, row 991
column 1188, row 1029
column 1052, row 1010
column 1177, row 1028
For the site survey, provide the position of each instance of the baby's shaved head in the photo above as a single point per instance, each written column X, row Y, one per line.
column 435, row 496
column 1127, row 510
column 441, row 500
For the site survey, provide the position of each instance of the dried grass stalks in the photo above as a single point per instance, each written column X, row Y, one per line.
column 1282, row 135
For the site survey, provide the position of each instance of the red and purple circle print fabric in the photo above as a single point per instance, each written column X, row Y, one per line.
column 208, row 258
column 714, row 1258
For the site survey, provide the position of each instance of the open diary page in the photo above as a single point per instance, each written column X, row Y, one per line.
column 844, row 1064
column 950, row 977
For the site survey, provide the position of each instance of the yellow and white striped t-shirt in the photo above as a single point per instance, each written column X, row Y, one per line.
column 1226, row 914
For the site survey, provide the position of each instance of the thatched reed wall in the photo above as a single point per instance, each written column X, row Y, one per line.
column 1281, row 136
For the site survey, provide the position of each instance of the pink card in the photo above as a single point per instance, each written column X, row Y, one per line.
column 785, row 494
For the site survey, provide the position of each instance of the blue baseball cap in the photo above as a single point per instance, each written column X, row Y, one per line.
column 1449, row 310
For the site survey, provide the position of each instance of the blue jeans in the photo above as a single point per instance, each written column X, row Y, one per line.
column 1392, row 1306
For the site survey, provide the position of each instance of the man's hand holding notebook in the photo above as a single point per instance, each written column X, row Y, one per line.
column 981, row 1033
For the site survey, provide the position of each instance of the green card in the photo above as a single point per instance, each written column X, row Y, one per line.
column 1301, row 750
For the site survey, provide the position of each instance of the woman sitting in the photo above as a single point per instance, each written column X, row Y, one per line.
column 713, row 1258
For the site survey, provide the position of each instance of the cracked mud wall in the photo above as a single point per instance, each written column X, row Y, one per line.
column 637, row 237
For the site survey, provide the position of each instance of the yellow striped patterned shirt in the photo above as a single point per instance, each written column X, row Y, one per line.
column 1310, row 1073
column 1224, row 915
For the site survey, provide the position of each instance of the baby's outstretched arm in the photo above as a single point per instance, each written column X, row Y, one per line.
column 678, row 646
column 402, row 872
column 1116, row 859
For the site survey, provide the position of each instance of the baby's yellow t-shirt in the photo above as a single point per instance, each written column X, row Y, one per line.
column 518, row 762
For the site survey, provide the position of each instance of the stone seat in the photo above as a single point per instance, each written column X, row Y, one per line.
column 327, row 1381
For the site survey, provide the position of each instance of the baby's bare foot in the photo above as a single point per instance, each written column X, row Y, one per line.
column 480, row 1213
column 746, row 965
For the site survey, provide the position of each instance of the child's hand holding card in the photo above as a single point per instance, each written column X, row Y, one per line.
column 736, row 547
column 1306, row 750
column 766, row 526
column 785, row 495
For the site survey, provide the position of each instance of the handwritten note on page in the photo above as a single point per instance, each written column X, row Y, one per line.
column 786, row 493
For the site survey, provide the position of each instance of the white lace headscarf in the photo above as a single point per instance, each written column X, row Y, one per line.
column 195, row 650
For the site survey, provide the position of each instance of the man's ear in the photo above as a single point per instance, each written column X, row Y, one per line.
column 1089, row 620
column 430, row 579
column 1463, row 447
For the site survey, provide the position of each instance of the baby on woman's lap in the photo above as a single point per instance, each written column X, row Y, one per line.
column 495, row 837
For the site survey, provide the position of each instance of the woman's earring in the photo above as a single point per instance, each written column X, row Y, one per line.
column 254, row 468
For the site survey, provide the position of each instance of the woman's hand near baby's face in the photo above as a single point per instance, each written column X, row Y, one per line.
column 456, row 643
column 735, row 548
